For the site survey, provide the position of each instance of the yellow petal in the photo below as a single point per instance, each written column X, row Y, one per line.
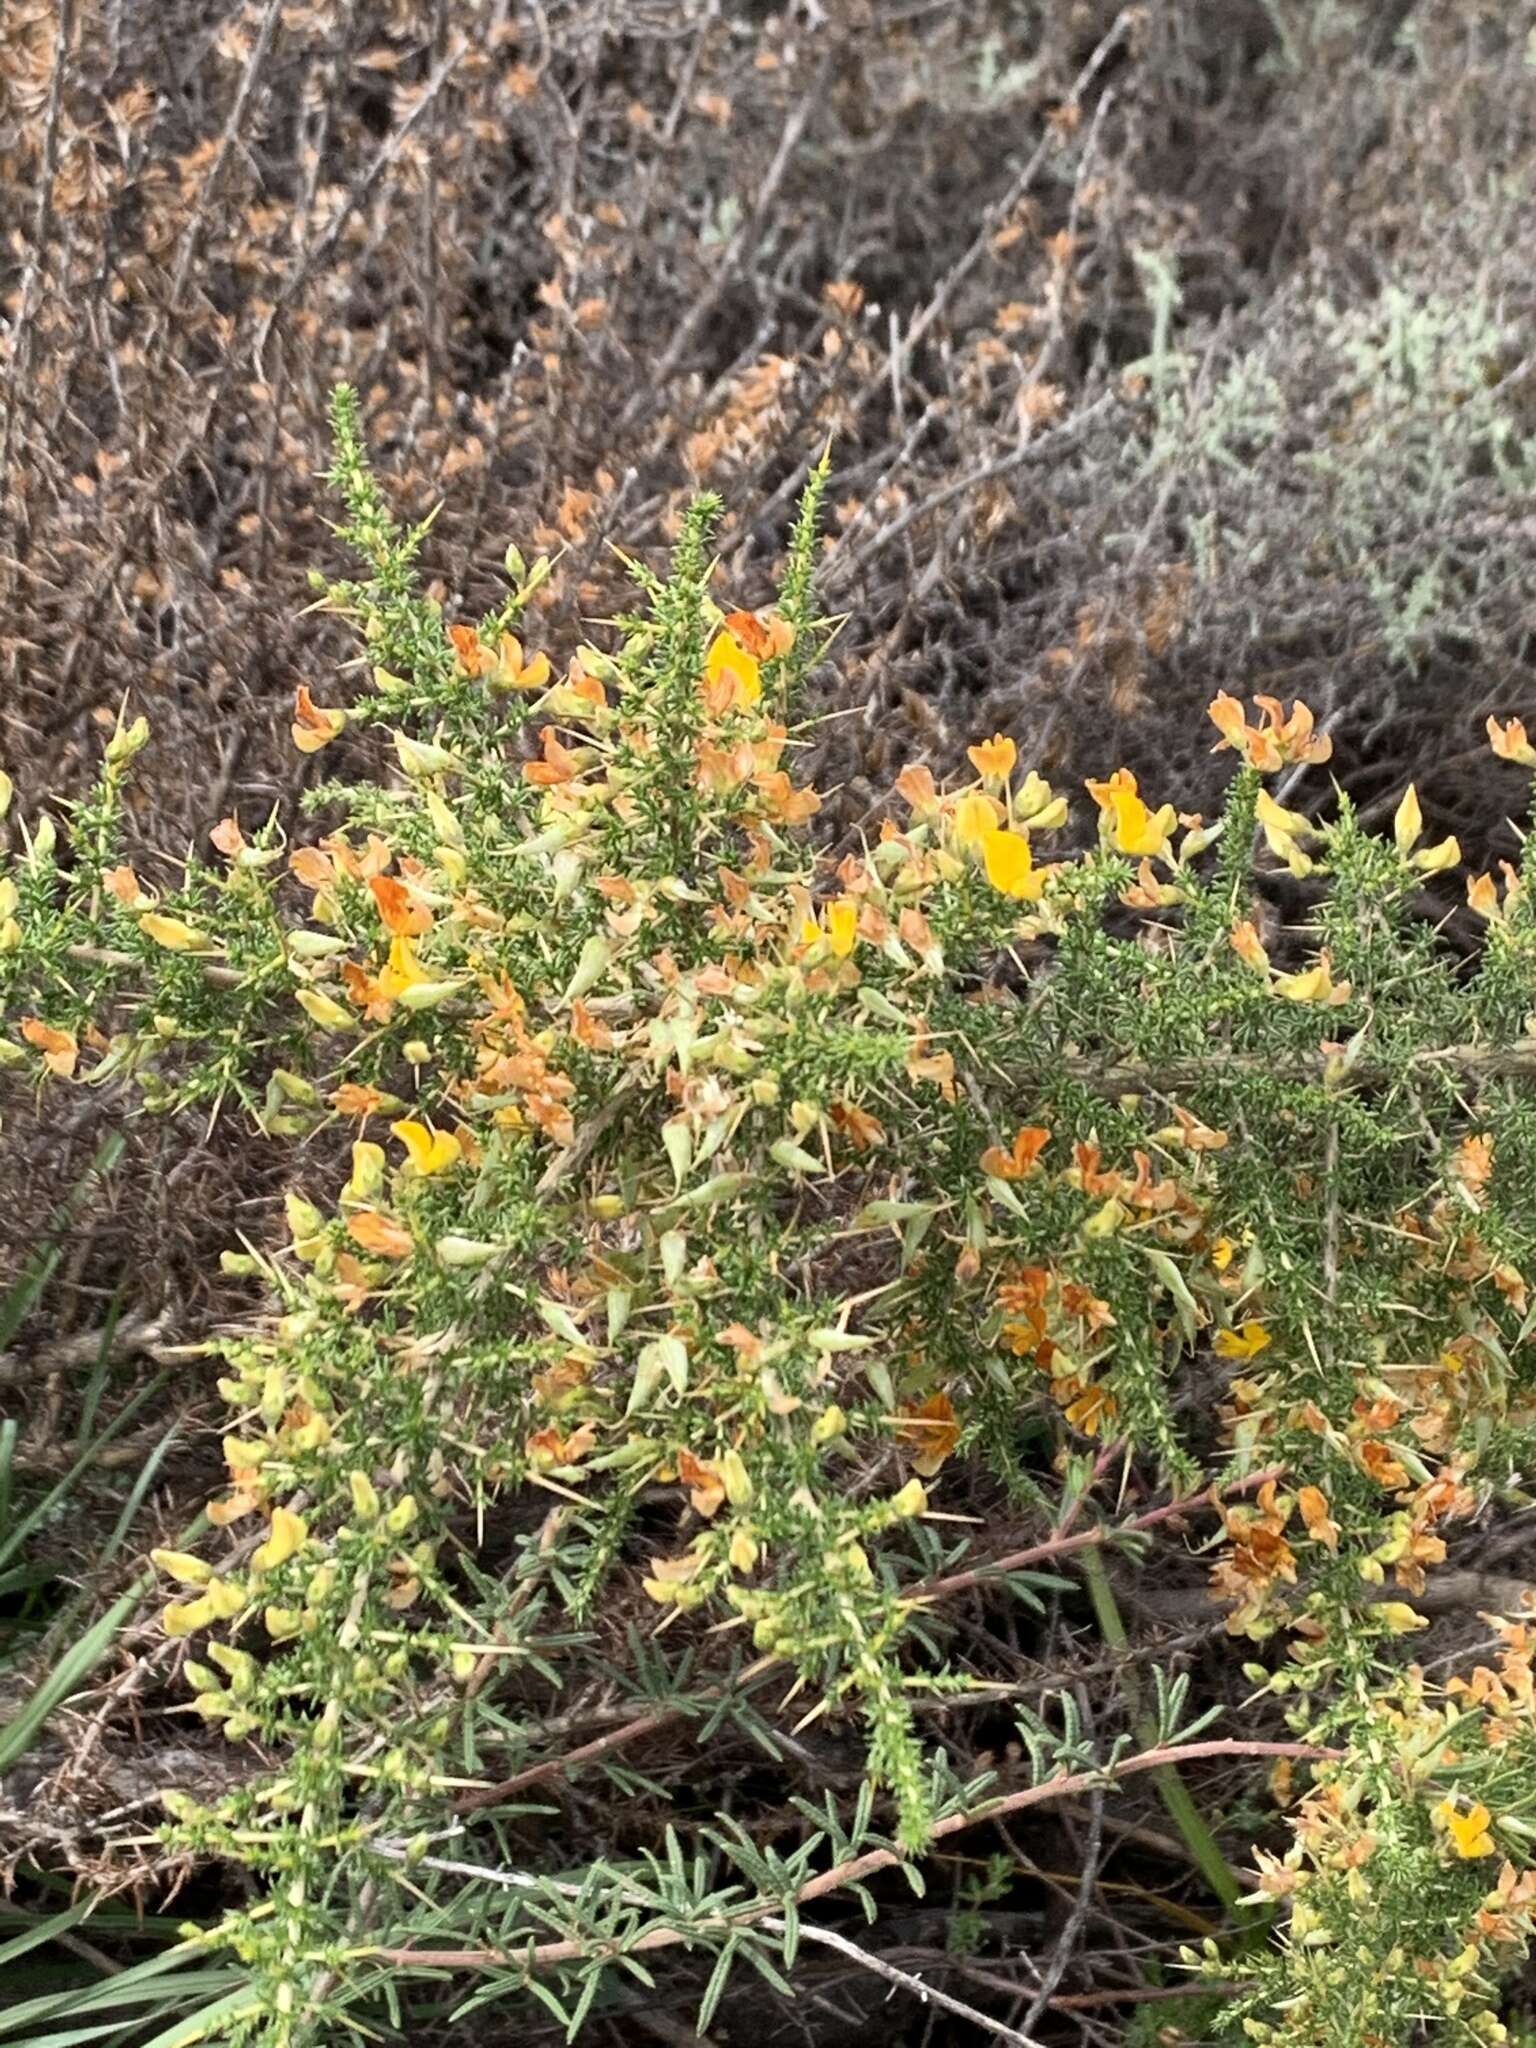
column 1408, row 822
column 975, row 817
column 728, row 658
column 843, row 926
column 170, row 932
column 1433, row 859
column 286, row 1537
column 1244, row 1342
column 186, row 1617
column 183, row 1566
column 1010, row 864
column 367, row 1171
column 431, row 1151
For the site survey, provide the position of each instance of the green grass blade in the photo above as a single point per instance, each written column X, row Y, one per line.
column 79, row 1661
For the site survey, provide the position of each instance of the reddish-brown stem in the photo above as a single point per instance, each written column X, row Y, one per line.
column 544, row 1955
column 1057, row 1545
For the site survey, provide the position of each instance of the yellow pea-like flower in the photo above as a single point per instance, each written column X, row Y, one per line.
column 431, row 1151
column 285, row 1539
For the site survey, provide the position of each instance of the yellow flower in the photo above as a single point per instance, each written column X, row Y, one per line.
column 1283, row 832
column 403, row 970
column 182, row 1566
column 975, row 817
column 367, row 1172
column 1469, row 1830
column 325, row 1010
column 515, row 672
column 1408, row 821
column 170, row 932
column 285, row 1538
column 1313, row 984
column 843, row 926
column 1010, row 864
column 431, row 1151
column 728, row 660
column 994, row 759
column 1138, row 830
column 1246, row 1341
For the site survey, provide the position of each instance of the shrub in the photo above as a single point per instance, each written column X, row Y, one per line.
column 710, row 1202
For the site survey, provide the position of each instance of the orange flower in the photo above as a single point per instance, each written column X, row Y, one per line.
column 994, row 759
column 474, row 656
column 399, row 909
column 706, row 1486
column 931, row 1430
column 1321, row 1526
column 1278, row 740
column 1028, row 1144
column 1091, row 1409
column 1509, row 742
column 765, row 636
column 558, row 765
column 60, row 1049
column 314, row 725
column 355, row 1098
column 228, row 837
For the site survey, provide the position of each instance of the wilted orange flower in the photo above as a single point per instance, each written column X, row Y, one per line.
column 474, row 656
column 400, row 910
column 1246, row 944
column 558, row 765
column 379, row 1234
column 930, row 1431
column 228, row 837
column 60, row 1049
column 314, row 869
column 1321, row 1526
column 857, row 1125
column 916, row 786
column 355, row 1098
column 1028, row 1143
column 314, row 725
column 766, row 636
column 784, row 802
column 1509, row 742
column 706, row 1487
column 123, row 884
column 1472, row 1162
column 1383, row 1466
